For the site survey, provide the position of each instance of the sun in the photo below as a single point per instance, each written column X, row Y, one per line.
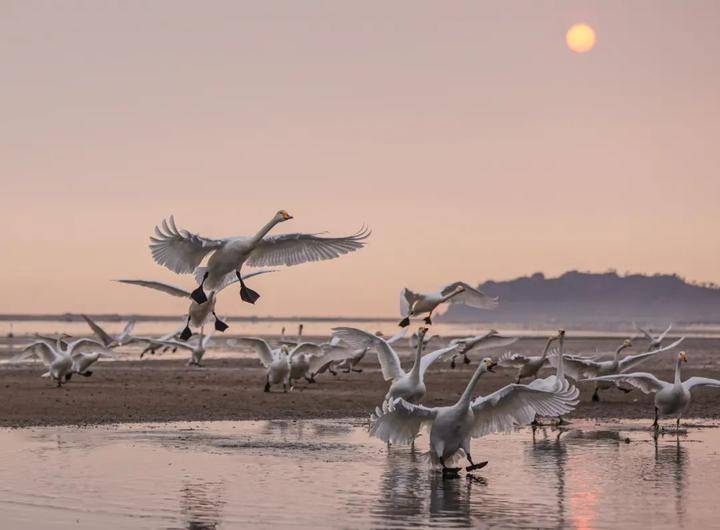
column 580, row 38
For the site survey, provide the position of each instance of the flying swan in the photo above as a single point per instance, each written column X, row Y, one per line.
column 182, row 252
column 413, row 304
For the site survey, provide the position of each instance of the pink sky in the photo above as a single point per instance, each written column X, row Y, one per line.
column 466, row 135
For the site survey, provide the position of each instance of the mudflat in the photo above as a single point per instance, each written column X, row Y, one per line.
column 156, row 389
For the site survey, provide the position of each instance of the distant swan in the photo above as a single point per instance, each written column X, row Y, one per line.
column 414, row 304
column 580, row 368
column 671, row 399
column 407, row 385
column 527, row 366
column 63, row 358
column 491, row 339
column 654, row 341
column 182, row 252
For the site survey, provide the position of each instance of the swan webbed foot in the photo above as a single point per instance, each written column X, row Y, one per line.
column 198, row 295
column 595, row 396
column 356, row 370
column 267, row 387
column 473, row 467
column 246, row 294
column 452, row 363
column 465, row 359
column 186, row 333
column 220, row 325
column 88, row 373
column 427, row 320
column 450, row 472
column 68, row 377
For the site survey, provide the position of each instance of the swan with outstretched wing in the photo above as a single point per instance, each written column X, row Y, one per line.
column 671, row 399
column 452, row 427
column 414, row 304
column 183, row 252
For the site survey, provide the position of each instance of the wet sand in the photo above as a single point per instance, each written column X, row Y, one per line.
column 157, row 389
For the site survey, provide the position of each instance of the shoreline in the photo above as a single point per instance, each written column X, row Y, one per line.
column 159, row 391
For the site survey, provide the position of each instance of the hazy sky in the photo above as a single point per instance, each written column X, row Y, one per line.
column 466, row 134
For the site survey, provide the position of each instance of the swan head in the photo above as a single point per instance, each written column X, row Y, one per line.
column 284, row 348
column 682, row 356
column 282, row 215
column 627, row 343
column 487, row 365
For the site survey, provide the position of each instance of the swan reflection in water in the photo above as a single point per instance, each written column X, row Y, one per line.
column 201, row 504
column 671, row 463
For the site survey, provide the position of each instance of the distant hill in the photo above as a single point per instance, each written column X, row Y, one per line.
column 582, row 297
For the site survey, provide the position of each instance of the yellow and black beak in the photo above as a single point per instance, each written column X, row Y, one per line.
column 491, row 366
column 683, row 356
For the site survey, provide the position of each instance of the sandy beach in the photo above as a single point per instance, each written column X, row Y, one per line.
column 157, row 389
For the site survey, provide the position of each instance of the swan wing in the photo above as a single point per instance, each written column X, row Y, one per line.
column 86, row 346
column 179, row 250
column 429, row 358
column 305, row 347
column 399, row 335
column 398, row 421
column 692, row 382
column 159, row 286
column 261, row 347
column 293, row 249
column 127, row 330
column 99, row 332
column 631, row 361
column 360, row 339
column 517, row 404
column 575, row 367
column 664, row 333
column 513, row 360
column 469, row 296
column 407, row 300
column 483, row 342
column 648, row 383
column 44, row 350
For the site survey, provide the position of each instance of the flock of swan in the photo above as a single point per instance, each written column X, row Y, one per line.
column 400, row 416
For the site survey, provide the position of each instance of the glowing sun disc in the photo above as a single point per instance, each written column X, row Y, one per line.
column 580, row 38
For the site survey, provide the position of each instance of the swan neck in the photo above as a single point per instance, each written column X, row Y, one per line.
column 264, row 230
column 468, row 393
column 415, row 371
column 678, row 369
column 547, row 348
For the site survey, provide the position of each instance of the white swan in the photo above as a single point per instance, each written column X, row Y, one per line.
column 122, row 339
column 182, row 252
column 527, row 366
column 160, row 343
column 198, row 314
column 414, row 304
column 62, row 358
column 452, row 427
column 491, row 339
column 654, row 341
column 671, row 399
column 274, row 360
column 197, row 348
column 350, row 364
column 581, row 368
column 407, row 385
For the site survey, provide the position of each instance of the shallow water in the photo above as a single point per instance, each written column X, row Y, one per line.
column 330, row 474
